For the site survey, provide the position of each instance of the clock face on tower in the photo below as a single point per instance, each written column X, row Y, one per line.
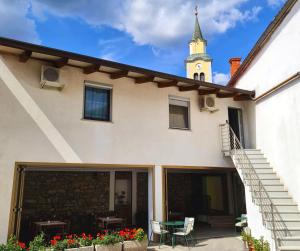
column 198, row 66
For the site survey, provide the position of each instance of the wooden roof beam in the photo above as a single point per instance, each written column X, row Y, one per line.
column 225, row 95
column 61, row 62
column 91, row 69
column 25, row 56
column 207, row 92
column 189, row 88
column 119, row 74
column 142, row 80
column 242, row 97
column 167, row 84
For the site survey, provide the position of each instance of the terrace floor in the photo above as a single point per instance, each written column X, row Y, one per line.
column 208, row 240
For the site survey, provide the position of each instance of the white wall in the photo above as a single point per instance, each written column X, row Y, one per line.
column 276, row 118
column 138, row 134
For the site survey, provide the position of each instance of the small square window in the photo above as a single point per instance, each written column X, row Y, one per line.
column 97, row 103
column 179, row 117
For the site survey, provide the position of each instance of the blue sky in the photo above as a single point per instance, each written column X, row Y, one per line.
column 152, row 34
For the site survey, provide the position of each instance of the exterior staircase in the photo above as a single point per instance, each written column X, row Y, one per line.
column 279, row 212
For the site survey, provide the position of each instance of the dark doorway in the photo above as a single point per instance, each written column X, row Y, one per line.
column 236, row 122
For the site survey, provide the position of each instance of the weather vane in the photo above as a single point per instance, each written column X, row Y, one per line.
column 196, row 10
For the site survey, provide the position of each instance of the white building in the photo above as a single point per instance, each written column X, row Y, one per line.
column 81, row 136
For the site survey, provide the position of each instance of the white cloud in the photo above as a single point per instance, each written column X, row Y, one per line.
column 275, row 3
column 221, row 78
column 14, row 22
column 158, row 23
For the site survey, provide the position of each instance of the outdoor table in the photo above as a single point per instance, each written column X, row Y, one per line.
column 106, row 221
column 44, row 225
column 171, row 225
column 241, row 218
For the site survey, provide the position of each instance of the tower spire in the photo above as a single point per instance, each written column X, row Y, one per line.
column 197, row 31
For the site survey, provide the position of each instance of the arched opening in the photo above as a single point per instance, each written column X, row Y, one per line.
column 196, row 76
column 202, row 76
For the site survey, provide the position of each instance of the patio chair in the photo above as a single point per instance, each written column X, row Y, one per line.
column 184, row 234
column 156, row 228
column 187, row 220
column 242, row 223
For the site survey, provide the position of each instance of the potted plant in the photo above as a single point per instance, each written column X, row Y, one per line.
column 38, row 243
column 13, row 244
column 134, row 240
column 257, row 245
column 245, row 237
column 86, row 242
column 108, row 242
column 250, row 242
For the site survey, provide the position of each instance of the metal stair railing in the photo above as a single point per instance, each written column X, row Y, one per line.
column 232, row 145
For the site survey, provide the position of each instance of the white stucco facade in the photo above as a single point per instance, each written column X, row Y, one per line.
column 274, row 121
column 47, row 125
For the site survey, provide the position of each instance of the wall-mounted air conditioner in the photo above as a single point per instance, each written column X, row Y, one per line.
column 208, row 103
column 50, row 77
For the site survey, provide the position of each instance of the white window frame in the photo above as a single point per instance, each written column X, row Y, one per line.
column 100, row 86
column 179, row 101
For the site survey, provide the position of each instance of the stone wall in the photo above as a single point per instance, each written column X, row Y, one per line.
column 74, row 197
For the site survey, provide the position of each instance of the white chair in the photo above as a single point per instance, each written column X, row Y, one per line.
column 156, row 228
column 242, row 223
column 186, row 231
column 187, row 220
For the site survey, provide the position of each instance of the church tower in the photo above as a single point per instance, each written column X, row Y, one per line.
column 198, row 63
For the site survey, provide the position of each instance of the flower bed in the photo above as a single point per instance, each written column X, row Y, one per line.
column 127, row 239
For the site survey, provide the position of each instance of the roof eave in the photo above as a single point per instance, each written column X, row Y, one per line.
column 264, row 38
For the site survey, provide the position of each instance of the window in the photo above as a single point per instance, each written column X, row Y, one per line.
column 202, row 76
column 196, row 76
column 179, row 113
column 97, row 102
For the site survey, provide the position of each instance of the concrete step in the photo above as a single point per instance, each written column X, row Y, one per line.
column 252, row 151
column 274, row 188
column 261, row 165
column 259, row 170
column 289, row 248
column 272, row 194
column 292, row 223
column 271, row 181
column 256, row 156
column 254, row 161
column 278, row 194
column 294, row 231
column 288, row 208
column 285, row 216
column 261, row 176
column 290, row 241
column 276, row 201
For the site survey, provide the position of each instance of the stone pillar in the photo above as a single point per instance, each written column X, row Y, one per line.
column 112, row 191
column 158, row 191
column 150, row 198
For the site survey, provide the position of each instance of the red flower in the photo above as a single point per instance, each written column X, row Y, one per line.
column 57, row 238
column 53, row 242
column 22, row 245
column 70, row 241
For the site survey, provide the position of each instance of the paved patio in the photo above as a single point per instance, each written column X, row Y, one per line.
column 209, row 240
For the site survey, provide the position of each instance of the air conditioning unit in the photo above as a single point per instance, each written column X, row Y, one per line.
column 208, row 103
column 50, row 77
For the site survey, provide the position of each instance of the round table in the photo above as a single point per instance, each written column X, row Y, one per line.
column 171, row 225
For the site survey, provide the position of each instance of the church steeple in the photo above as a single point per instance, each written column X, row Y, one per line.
column 197, row 31
column 198, row 63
